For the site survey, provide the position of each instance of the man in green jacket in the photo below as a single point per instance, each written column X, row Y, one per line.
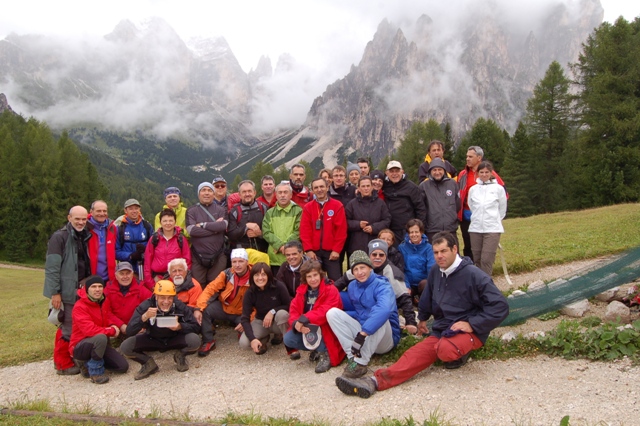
column 280, row 225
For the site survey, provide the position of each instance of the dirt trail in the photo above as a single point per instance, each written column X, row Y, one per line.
column 533, row 391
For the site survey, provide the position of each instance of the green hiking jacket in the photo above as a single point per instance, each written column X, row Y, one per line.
column 279, row 226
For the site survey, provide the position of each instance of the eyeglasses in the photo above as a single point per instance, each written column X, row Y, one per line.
column 378, row 255
column 222, row 185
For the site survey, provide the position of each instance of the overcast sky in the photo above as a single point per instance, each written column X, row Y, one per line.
column 316, row 33
column 321, row 38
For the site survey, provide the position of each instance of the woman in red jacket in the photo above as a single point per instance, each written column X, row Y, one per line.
column 123, row 295
column 91, row 331
column 314, row 297
column 166, row 244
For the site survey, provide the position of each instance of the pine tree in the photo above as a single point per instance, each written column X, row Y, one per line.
column 413, row 147
column 523, row 185
column 487, row 135
column 549, row 121
column 259, row 170
column 608, row 75
column 281, row 174
column 235, row 183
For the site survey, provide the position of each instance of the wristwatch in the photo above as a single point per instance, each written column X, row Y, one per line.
column 272, row 312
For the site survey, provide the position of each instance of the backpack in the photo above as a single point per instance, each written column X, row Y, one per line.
column 147, row 227
column 237, row 209
column 155, row 239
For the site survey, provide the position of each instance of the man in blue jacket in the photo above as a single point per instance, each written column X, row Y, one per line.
column 474, row 306
column 369, row 323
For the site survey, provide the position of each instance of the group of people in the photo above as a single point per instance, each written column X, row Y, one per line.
column 272, row 267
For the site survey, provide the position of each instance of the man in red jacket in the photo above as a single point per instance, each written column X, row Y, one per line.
column 123, row 295
column 91, row 331
column 323, row 229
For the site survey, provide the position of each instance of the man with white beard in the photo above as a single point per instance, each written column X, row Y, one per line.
column 188, row 289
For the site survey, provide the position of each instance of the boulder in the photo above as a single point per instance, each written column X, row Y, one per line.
column 509, row 336
column 517, row 293
column 577, row 309
column 608, row 295
column 536, row 285
column 556, row 283
column 617, row 311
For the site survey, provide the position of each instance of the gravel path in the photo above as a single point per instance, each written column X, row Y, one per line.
column 532, row 391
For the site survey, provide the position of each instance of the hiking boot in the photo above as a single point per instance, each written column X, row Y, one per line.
column 363, row 387
column 277, row 339
column 99, row 379
column 181, row 361
column 83, row 369
column 71, row 371
column 354, row 370
column 148, row 368
column 206, row 348
column 313, row 356
column 324, row 364
column 263, row 347
column 294, row 354
column 457, row 363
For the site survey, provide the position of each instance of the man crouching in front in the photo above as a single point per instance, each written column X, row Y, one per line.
column 474, row 307
column 168, row 324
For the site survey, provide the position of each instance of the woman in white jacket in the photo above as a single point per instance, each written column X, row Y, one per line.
column 488, row 204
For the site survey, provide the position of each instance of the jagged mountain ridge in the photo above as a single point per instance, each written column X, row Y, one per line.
column 479, row 66
column 488, row 69
column 135, row 78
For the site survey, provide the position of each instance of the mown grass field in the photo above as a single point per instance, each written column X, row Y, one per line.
column 551, row 239
column 529, row 243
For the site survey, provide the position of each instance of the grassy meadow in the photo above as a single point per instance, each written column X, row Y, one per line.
column 529, row 243
column 25, row 334
column 550, row 239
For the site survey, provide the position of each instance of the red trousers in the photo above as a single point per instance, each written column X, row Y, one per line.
column 61, row 355
column 425, row 353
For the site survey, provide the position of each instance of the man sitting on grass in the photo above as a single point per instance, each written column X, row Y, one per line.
column 474, row 306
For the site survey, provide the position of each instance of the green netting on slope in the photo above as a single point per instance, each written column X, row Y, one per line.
column 620, row 270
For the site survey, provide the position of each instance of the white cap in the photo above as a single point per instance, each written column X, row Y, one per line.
column 239, row 253
column 394, row 164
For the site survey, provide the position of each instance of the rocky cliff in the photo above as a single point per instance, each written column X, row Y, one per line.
column 137, row 78
column 483, row 65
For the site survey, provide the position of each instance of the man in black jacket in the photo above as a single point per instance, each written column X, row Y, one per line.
column 404, row 199
column 289, row 271
column 466, row 306
column 245, row 219
column 168, row 324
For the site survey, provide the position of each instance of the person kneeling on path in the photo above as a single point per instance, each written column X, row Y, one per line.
column 265, row 310
column 314, row 297
column 474, row 306
column 370, row 324
column 222, row 299
column 168, row 324
column 92, row 327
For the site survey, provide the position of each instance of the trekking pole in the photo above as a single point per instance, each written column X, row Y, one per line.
column 504, row 265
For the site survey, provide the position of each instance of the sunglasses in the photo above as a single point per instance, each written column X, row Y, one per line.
column 378, row 255
column 220, row 186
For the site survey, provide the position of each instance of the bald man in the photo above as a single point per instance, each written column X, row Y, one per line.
column 66, row 268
